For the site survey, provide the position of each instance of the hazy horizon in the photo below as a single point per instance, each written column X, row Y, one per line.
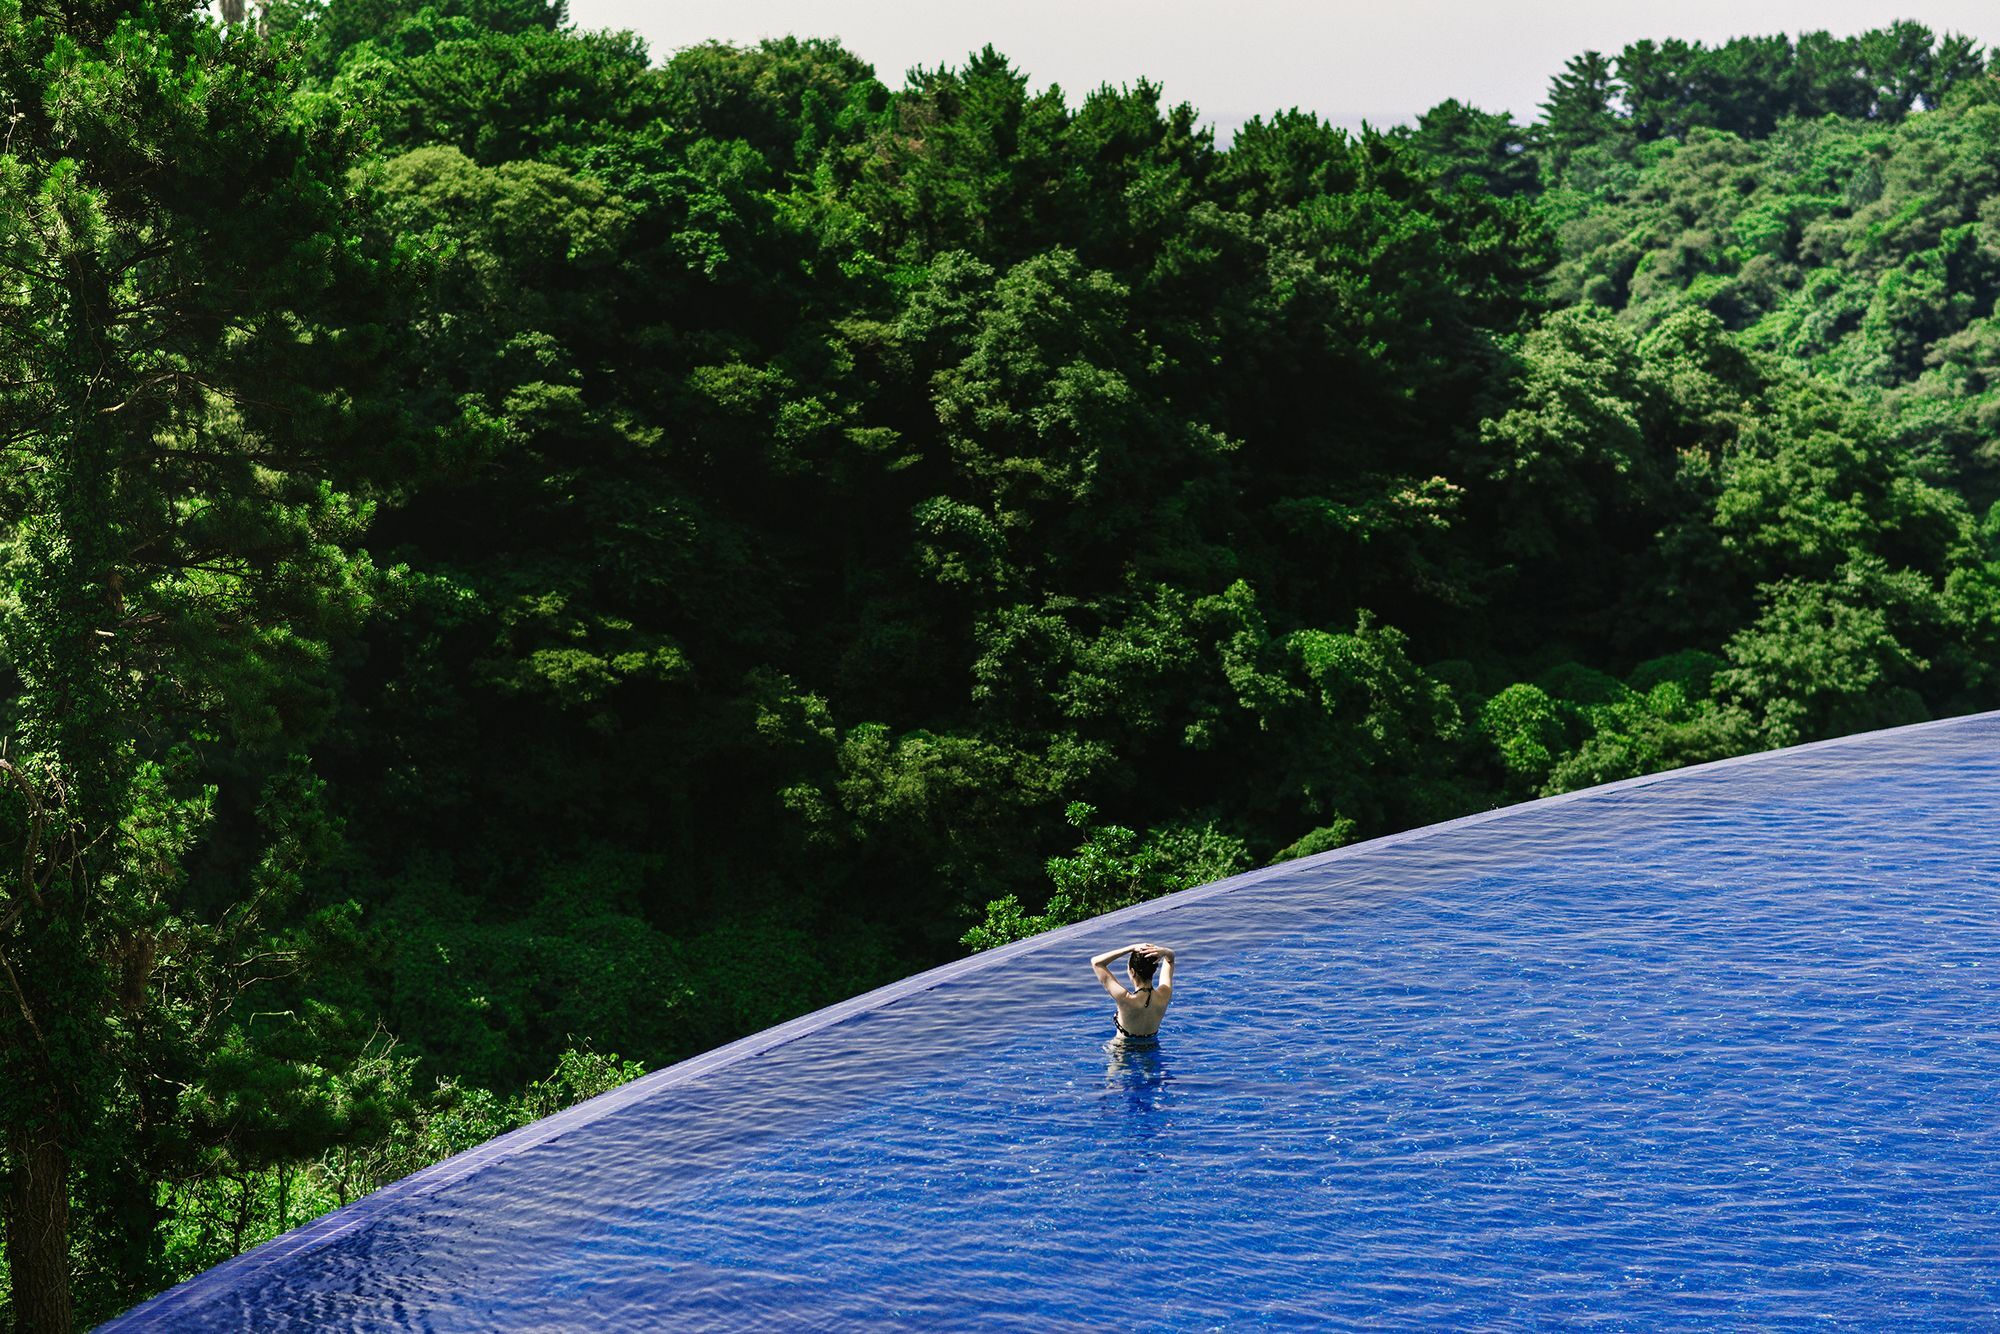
column 1347, row 62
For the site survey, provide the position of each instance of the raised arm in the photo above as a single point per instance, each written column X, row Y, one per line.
column 1111, row 984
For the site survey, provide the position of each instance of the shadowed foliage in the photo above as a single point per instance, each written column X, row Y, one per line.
column 516, row 552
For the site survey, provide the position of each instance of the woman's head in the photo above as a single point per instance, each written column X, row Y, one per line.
column 1142, row 967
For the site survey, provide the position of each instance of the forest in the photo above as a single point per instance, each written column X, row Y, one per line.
column 525, row 560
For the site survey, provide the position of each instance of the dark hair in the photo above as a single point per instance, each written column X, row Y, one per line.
column 1142, row 966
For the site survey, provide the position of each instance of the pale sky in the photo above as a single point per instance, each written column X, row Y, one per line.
column 1385, row 60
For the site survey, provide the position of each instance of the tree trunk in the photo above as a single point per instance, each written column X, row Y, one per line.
column 38, row 1230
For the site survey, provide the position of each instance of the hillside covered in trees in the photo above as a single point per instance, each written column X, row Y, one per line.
column 517, row 553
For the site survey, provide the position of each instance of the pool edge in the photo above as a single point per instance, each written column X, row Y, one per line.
column 186, row 1297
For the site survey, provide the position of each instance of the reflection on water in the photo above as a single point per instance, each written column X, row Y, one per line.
column 1137, row 1069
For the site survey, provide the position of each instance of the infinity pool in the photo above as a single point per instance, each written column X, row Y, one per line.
column 1716, row 1048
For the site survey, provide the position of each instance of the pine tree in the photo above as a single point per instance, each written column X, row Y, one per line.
column 180, row 354
column 1578, row 112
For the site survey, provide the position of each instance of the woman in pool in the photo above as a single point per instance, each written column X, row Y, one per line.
column 1142, row 1005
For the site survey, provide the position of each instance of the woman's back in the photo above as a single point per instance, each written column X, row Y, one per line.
column 1142, row 1005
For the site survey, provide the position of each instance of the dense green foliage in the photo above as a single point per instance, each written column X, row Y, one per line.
column 516, row 551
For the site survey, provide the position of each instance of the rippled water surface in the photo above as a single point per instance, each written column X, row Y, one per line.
column 1717, row 1050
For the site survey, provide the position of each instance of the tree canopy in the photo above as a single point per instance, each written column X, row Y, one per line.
column 518, row 553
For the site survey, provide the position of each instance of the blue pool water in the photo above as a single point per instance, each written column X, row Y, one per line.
column 1714, row 1049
